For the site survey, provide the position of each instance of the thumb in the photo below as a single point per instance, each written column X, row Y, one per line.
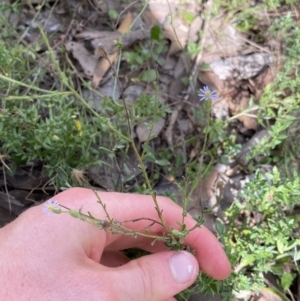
column 156, row 277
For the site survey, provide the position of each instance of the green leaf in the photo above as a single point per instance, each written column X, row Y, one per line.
column 204, row 67
column 185, row 80
column 62, row 175
column 162, row 162
column 287, row 280
column 188, row 17
column 113, row 14
column 149, row 75
column 220, row 227
column 280, row 246
column 74, row 213
column 156, row 33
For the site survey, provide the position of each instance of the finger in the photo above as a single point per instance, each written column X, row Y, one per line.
column 154, row 277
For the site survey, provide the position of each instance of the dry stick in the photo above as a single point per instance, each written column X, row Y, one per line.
column 263, row 49
column 173, row 118
column 126, row 8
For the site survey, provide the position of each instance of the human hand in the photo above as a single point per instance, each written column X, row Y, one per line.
column 57, row 257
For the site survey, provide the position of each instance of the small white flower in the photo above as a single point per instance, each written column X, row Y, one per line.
column 49, row 206
column 206, row 94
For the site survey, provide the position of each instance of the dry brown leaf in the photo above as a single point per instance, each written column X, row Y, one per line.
column 240, row 103
column 106, row 39
column 100, row 39
column 144, row 132
column 85, row 59
column 211, row 186
column 102, row 67
column 177, row 34
column 105, row 63
column 267, row 295
column 211, row 79
column 157, row 12
column 126, row 23
column 264, row 78
column 148, row 18
column 195, row 29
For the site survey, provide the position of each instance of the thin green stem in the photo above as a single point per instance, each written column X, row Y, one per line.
column 13, row 81
column 244, row 113
column 32, row 97
column 143, row 169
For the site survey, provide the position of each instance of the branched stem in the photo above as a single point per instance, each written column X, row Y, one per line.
column 115, row 227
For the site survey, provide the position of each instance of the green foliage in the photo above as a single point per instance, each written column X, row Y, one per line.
column 6, row 9
column 156, row 33
column 279, row 104
column 50, row 130
column 40, row 125
column 140, row 56
column 265, row 240
column 193, row 48
column 15, row 62
column 259, row 236
column 113, row 15
column 188, row 16
column 148, row 106
column 149, row 76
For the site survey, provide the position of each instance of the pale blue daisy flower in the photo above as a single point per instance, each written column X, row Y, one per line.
column 206, row 94
column 49, row 206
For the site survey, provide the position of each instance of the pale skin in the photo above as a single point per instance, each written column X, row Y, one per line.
column 63, row 258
